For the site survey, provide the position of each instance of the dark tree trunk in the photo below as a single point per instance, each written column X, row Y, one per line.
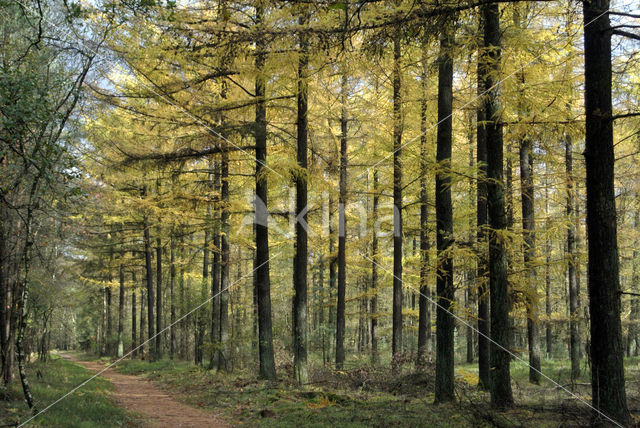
column 109, row 331
column 158, row 341
column 547, row 270
column 445, row 352
column 300, row 258
column 574, row 336
column 528, row 232
column 342, row 230
column 263, row 281
column 223, row 354
column 500, row 377
column 172, row 295
column 470, row 273
column 120, row 350
column 134, row 333
column 396, row 345
column 374, row 272
column 424, row 306
column 482, row 223
column 333, row 266
column 150, row 293
column 607, row 372
column 200, row 314
column 143, row 322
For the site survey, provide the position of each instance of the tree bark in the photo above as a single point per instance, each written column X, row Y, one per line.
column 500, row 377
column 223, row 354
column 607, row 372
column 263, row 281
column 374, row 272
column 482, row 223
column 134, row 333
column 396, row 345
column 120, row 350
column 150, row 291
column 574, row 336
column 424, row 306
column 300, row 258
column 528, row 232
column 342, row 229
column 445, row 352
column 172, row 295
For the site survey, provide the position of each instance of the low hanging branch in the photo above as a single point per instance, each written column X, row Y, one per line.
column 181, row 154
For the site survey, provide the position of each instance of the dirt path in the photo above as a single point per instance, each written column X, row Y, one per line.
column 146, row 398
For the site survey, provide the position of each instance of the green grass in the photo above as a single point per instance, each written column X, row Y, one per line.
column 245, row 400
column 89, row 406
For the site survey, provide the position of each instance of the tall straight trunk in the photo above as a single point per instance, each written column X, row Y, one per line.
column 182, row 298
column 635, row 280
column 262, row 278
column 500, row 377
column 470, row 288
column 481, row 224
column 134, row 333
column 150, row 291
column 120, row 350
column 300, row 258
column 215, row 301
column 200, row 315
column 374, row 272
column 333, row 265
column 445, row 351
column 158, row 342
column 223, row 354
column 424, row 306
column 4, row 293
column 143, row 322
column 574, row 336
column 172, row 295
column 607, row 372
column 547, row 269
column 342, row 229
column 396, row 342
column 528, row 232
column 215, row 270
column 109, row 331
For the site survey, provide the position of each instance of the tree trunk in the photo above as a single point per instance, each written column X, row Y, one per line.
column 300, row 258
column 396, row 345
column 528, row 232
column 150, row 294
column 374, row 272
column 482, row 224
column 223, row 354
column 445, row 352
column 547, row 269
column 424, row 306
column 158, row 342
column 263, row 281
column 500, row 377
column 172, row 288
column 607, row 372
column 134, row 333
column 574, row 336
column 342, row 229
column 109, row 332
column 120, row 350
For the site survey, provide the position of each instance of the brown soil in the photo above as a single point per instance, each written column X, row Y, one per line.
column 146, row 398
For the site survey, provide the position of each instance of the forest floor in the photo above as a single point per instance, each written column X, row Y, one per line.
column 177, row 393
column 90, row 406
column 158, row 407
column 370, row 396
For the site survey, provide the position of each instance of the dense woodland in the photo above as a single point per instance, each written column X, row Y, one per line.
column 281, row 187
